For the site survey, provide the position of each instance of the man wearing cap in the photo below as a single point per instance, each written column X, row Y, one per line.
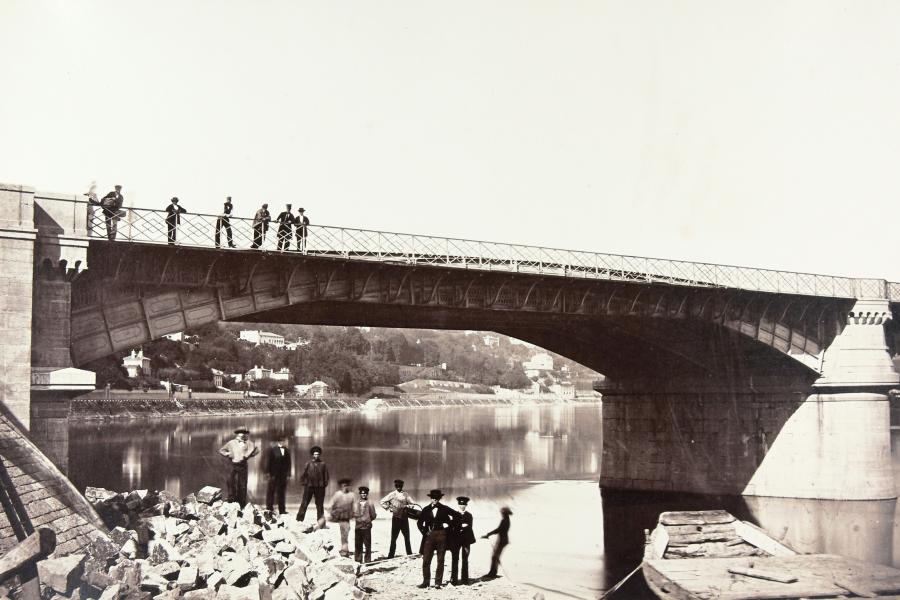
column 502, row 542
column 342, row 506
column 110, row 204
column 238, row 451
column 396, row 502
column 260, row 226
column 301, row 221
column 224, row 221
column 278, row 469
column 364, row 513
column 314, row 480
column 285, row 222
column 461, row 538
column 173, row 218
column 435, row 523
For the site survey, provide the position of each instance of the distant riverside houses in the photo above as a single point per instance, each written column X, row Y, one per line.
column 137, row 364
column 218, row 377
column 316, row 389
column 255, row 336
column 257, row 373
column 431, row 385
column 540, row 362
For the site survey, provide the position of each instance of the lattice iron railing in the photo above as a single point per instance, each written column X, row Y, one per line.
column 199, row 230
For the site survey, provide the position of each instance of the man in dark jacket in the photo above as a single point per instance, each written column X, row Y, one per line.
column 261, row 222
column 314, row 480
column 285, row 222
column 302, row 222
column 224, row 222
column 461, row 538
column 502, row 542
column 278, row 469
column 110, row 204
column 173, row 218
column 435, row 523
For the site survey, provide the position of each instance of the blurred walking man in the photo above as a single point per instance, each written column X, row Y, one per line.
column 342, row 510
column 502, row 542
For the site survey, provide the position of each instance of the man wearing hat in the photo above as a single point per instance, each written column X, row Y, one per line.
column 238, row 451
column 173, row 218
column 364, row 513
column 461, row 538
column 435, row 523
column 278, row 469
column 110, row 204
column 342, row 506
column 285, row 222
column 396, row 502
column 314, row 480
column 502, row 542
column 301, row 221
column 260, row 226
column 224, row 221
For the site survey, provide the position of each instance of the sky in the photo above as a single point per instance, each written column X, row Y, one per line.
column 763, row 133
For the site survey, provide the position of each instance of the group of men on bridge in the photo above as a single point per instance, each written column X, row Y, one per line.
column 288, row 223
column 442, row 527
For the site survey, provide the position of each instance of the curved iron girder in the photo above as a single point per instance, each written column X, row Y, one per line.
column 499, row 291
column 528, row 293
column 559, row 292
column 369, row 277
column 162, row 276
column 209, row 271
column 635, row 301
column 435, row 290
column 659, row 302
column 403, row 280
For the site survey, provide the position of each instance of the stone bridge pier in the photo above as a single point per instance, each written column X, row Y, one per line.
column 43, row 247
column 811, row 435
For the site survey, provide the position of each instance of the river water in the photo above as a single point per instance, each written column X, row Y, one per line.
column 568, row 537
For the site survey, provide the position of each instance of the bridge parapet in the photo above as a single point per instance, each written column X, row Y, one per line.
column 199, row 231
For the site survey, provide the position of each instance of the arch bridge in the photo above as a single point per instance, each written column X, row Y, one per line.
column 721, row 379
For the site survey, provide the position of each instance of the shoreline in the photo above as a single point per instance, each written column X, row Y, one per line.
column 92, row 409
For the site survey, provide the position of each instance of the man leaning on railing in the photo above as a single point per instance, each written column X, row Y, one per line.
column 110, row 204
column 173, row 218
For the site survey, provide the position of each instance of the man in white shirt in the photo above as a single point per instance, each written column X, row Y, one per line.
column 396, row 502
column 238, row 451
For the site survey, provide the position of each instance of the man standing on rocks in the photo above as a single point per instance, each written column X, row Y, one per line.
column 343, row 504
column 314, row 480
column 461, row 539
column 364, row 513
column 238, row 451
column 278, row 469
column 435, row 523
column 396, row 503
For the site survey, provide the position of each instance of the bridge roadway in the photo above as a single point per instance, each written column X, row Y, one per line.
column 723, row 379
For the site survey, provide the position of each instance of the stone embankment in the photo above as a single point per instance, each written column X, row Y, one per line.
column 137, row 405
column 203, row 548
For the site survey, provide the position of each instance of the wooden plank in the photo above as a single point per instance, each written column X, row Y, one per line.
column 697, row 517
column 759, row 538
column 33, row 548
column 768, row 574
column 855, row 589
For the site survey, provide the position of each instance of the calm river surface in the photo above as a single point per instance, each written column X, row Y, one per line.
column 568, row 537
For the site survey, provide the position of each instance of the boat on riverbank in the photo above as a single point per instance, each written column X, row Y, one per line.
column 701, row 555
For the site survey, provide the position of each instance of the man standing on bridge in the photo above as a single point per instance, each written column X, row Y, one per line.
column 224, row 220
column 110, row 204
column 260, row 226
column 173, row 218
column 301, row 222
column 285, row 222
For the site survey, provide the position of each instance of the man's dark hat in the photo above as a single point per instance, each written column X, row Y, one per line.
column 462, row 499
column 174, row 198
column 242, row 430
column 398, row 482
column 300, row 210
column 363, row 488
column 345, row 480
column 505, row 511
column 436, row 494
column 315, row 449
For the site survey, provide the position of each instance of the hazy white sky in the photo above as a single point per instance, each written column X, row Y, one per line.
column 762, row 133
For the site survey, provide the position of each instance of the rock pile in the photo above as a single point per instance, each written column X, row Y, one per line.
column 200, row 547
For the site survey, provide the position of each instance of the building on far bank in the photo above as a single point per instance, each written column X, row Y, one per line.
column 282, row 375
column 255, row 336
column 257, row 373
column 175, row 337
column 491, row 341
column 539, row 364
column 137, row 364
column 218, row 377
column 421, row 386
column 316, row 389
column 563, row 389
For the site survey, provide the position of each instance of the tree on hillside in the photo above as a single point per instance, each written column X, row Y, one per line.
column 515, row 379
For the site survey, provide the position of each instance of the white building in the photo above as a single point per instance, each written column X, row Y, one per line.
column 491, row 341
column 218, row 377
column 563, row 390
column 255, row 336
column 257, row 373
column 540, row 362
column 316, row 389
column 137, row 364
column 282, row 375
column 294, row 345
column 175, row 337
